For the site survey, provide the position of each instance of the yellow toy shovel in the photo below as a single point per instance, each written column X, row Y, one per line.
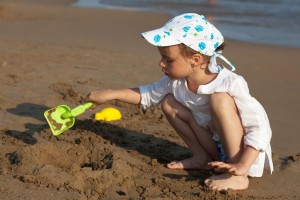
column 62, row 118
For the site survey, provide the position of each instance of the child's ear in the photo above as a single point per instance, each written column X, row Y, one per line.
column 196, row 59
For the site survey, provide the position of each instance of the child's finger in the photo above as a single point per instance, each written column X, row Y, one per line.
column 94, row 106
column 233, row 171
column 224, row 166
column 215, row 163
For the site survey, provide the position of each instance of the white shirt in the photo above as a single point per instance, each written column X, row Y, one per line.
column 253, row 116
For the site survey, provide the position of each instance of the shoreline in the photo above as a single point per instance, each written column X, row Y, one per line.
column 256, row 31
column 54, row 55
column 68, row 4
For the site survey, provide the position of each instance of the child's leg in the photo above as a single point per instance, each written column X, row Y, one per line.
column 228, row 123
column 197, row 138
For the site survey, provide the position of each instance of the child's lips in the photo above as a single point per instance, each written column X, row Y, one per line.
column 166, row 73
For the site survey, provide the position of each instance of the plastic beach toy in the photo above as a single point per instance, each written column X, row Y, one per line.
column 108, row 114
column 62, row 118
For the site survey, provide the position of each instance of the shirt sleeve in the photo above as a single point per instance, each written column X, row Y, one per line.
column 152, row 94
column 253, row 116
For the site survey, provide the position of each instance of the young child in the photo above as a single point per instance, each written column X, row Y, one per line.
column 208, row 105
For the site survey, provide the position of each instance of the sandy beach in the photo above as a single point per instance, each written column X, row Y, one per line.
column 54, row 54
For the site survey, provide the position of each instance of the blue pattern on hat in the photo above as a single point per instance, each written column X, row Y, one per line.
column 157, row 38
column 202, row 45
column 188, row 16
column 212, row 36
column 186, row 28
column 205, row 19
column 168, row 33
column 216, row 45
column 199, row 28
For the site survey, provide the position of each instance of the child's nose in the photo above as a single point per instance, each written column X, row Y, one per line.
column 161, row 64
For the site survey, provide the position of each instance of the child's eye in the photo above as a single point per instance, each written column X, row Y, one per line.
column 169, row 60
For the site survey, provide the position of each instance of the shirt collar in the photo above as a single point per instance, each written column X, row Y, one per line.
column 208, row 88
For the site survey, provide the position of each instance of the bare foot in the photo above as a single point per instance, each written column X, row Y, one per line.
column 189, row 163
column 226, row 181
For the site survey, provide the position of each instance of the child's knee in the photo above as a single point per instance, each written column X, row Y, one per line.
column 222, row 103
column 171, row 107
column 167, row 103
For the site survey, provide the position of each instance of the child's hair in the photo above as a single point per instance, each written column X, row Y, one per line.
column 189, row 52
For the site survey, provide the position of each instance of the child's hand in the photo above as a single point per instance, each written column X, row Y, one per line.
column 234, row 169
column 97, row 97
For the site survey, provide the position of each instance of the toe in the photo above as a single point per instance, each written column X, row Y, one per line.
column 214, row 188
column 207, row 181
column 175, row 165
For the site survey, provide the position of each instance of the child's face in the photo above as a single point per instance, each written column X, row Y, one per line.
column 173, row 63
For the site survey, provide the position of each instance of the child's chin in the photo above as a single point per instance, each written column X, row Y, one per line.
column 171, row 77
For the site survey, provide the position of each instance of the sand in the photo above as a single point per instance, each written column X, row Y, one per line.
column 53, row 54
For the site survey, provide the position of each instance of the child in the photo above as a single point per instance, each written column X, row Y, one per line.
column 208, row 105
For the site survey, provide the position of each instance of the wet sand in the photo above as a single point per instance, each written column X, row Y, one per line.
column 53, row 54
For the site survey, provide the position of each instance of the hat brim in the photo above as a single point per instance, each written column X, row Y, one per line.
column 160, row 37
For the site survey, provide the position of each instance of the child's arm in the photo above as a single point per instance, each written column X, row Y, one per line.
column 240, row 168
column 132, row 96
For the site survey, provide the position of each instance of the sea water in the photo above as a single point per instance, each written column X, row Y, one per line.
column 275, row 22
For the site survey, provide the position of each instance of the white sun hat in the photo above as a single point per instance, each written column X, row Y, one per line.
column 193, row 30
